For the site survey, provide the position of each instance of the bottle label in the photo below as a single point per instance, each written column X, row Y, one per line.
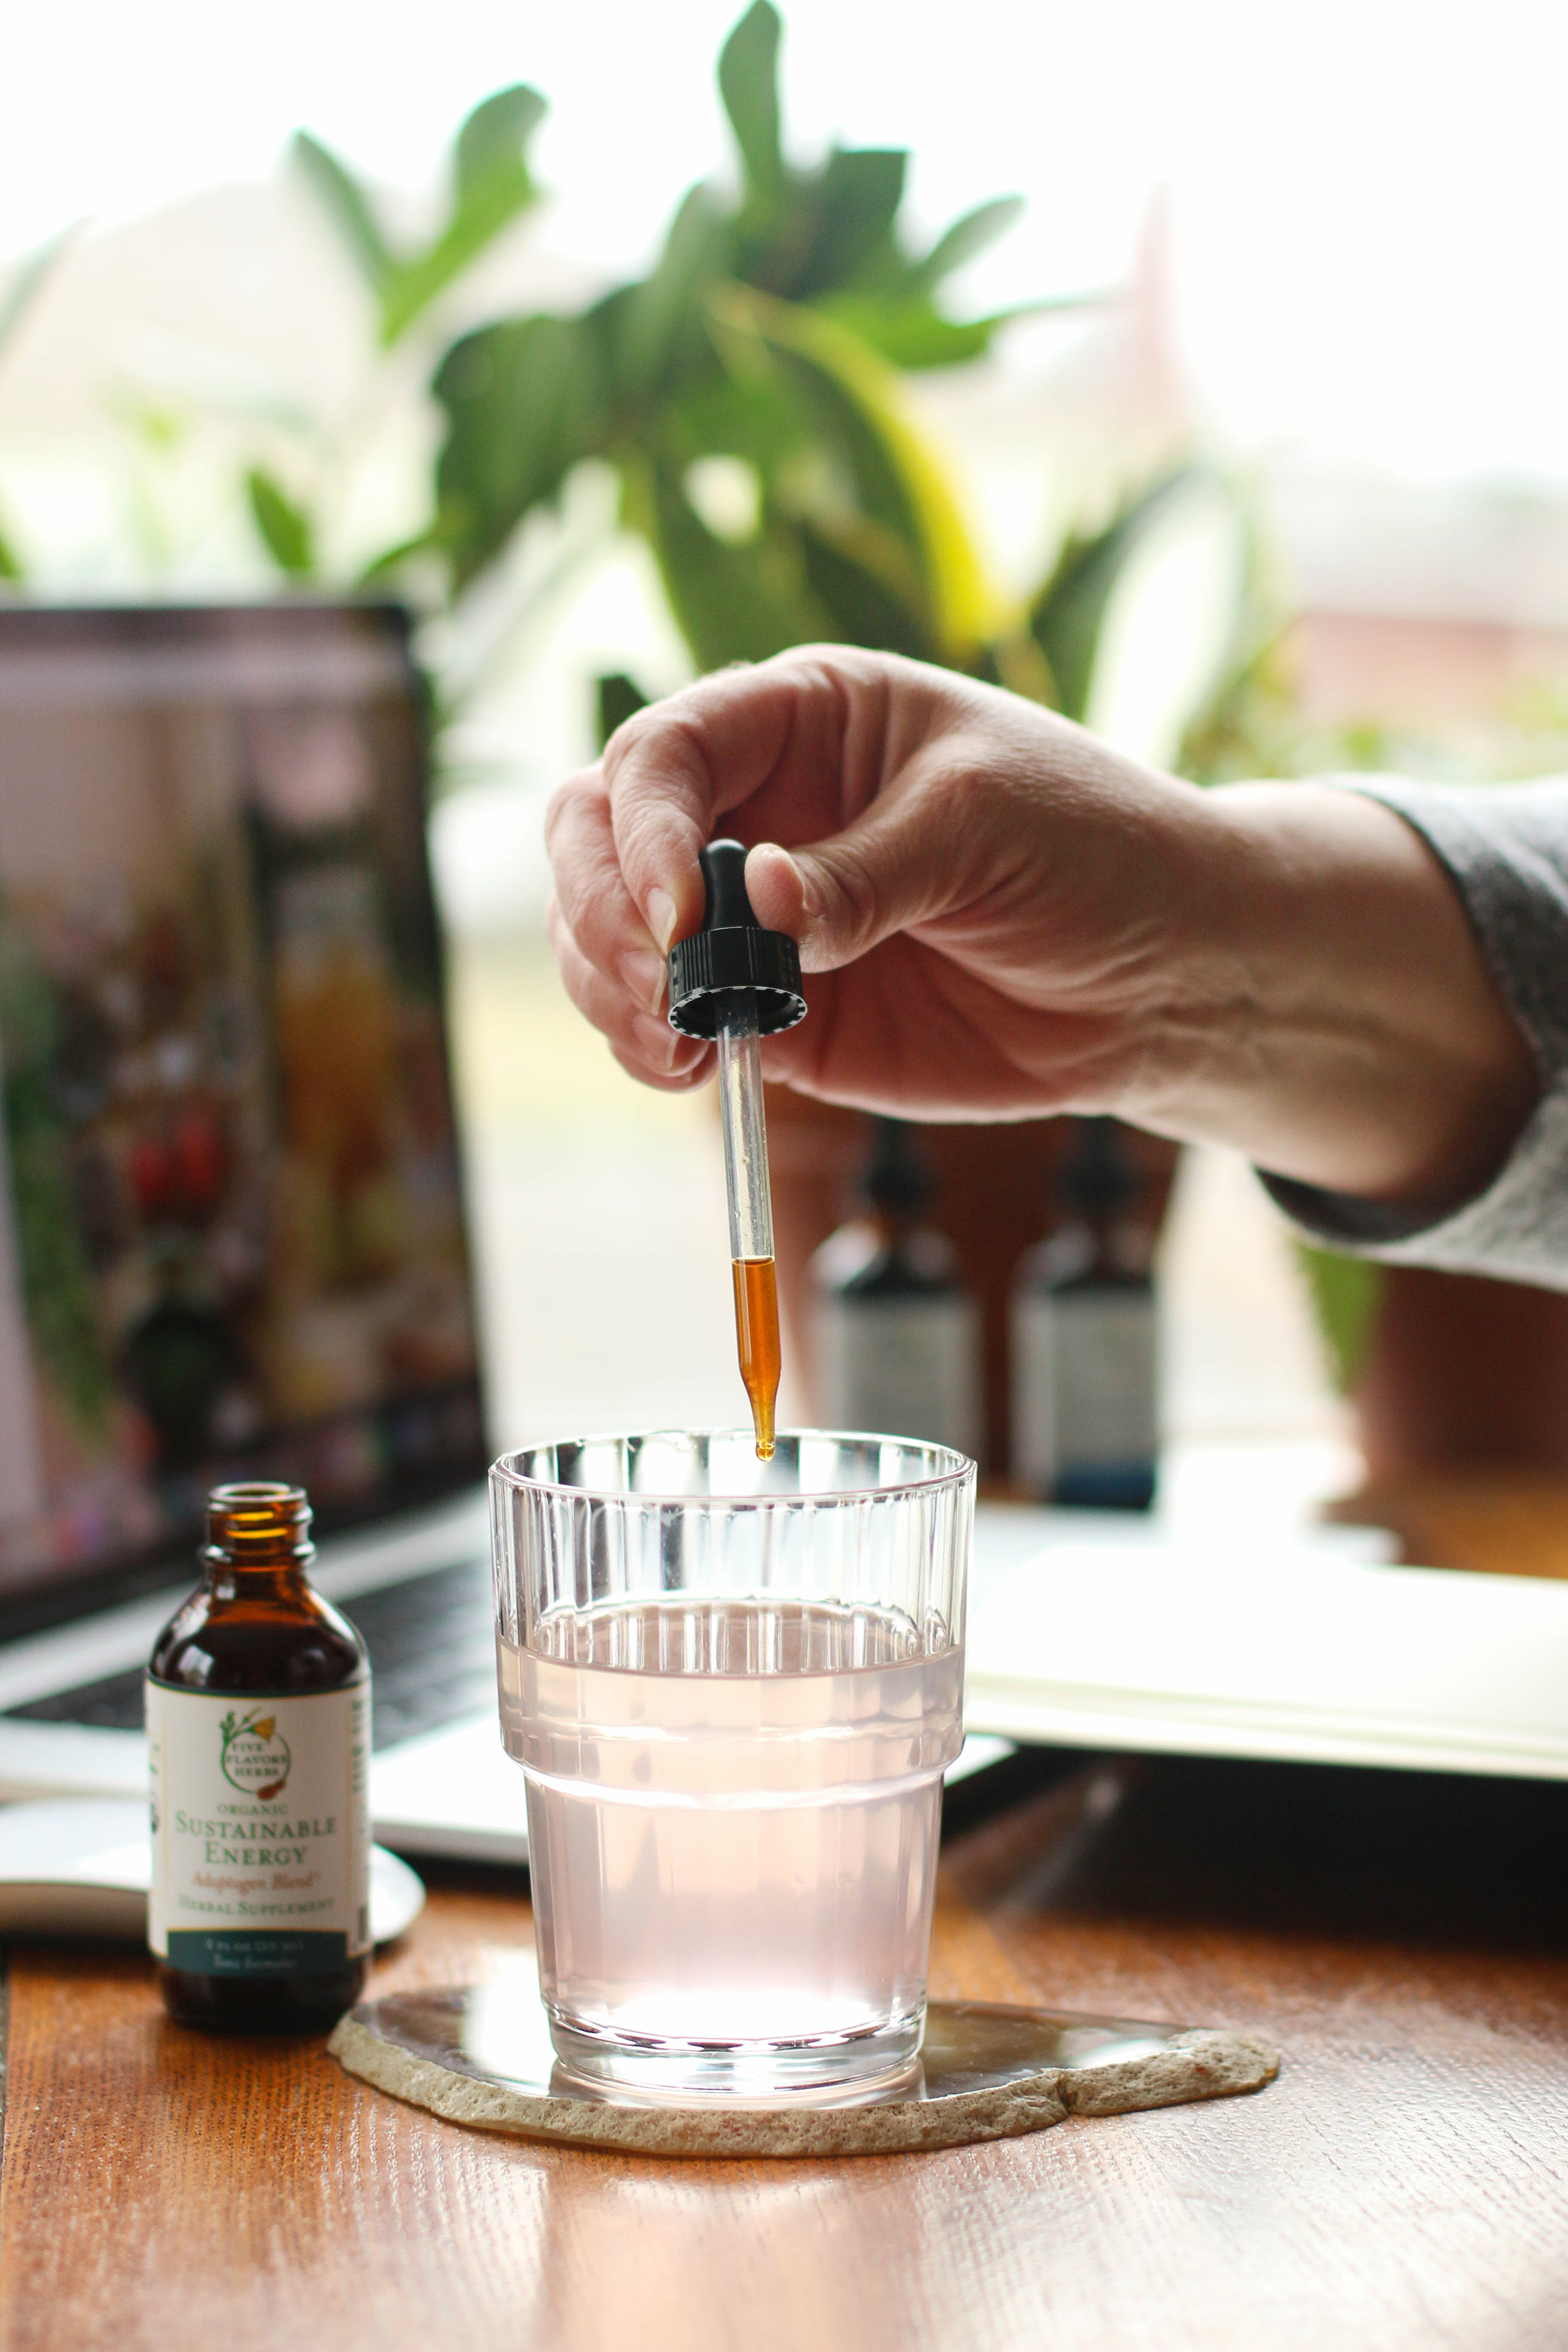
column 905, row 1367
column 1085, row 1382
column 261, row 1820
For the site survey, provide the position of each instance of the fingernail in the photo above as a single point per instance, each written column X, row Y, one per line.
column 809, row 899
column 657, row 1039
column 643, row 976
column 661, row 916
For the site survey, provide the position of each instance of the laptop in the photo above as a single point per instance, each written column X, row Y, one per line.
column 232, row 1232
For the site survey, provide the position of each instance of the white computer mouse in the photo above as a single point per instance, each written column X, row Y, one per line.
column 80, row 1866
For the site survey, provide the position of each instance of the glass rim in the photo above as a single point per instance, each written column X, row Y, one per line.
column 963, row 1470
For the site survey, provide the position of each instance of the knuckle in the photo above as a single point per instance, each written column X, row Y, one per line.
column 854, row 887
column 568, row 801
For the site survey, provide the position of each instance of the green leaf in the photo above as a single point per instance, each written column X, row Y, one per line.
column 749, row 86
column 620, row 698
column 840, row 390
column 649, row 320
column 525, row 401
column 285, row 528
column 730, row 603
column 854, row 402
column 493, row 185
column 755, row 417
column 966, row 237
column 859, row 193
column 497, row 131
column 910, row 332
column 1068, row 615
column 381, row 568
column 1013, row 659
column 864, row 607
column 10, row 561
column 492, row 202
column 347, row 208
column 914, row 334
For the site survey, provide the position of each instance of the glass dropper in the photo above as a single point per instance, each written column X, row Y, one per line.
column 736, row 983
column 751, row 1208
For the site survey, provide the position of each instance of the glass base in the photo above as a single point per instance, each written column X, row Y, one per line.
column 819, row 2070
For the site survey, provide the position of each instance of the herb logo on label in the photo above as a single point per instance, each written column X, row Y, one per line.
column 255, row 1755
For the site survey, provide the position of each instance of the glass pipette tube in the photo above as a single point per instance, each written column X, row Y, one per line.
column 751, row 1210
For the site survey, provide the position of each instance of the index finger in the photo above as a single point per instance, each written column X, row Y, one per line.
column 673, row 769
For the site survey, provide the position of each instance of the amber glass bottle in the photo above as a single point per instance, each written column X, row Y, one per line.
column 258, row 1733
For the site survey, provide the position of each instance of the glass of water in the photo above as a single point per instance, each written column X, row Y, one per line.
column 733, row 1687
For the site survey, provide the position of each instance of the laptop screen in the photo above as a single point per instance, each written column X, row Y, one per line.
column 231, row 1227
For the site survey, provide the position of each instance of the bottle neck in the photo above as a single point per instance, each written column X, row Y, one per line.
column 258, row 1543
column 225, row 1580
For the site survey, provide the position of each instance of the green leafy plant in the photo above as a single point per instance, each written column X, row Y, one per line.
column 748, row 394
column 491, row 186
column 285, row 528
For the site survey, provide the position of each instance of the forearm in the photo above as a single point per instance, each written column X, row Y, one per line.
column 1333, row 1016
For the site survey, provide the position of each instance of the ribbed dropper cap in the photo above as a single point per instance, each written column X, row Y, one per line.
column 732, row 952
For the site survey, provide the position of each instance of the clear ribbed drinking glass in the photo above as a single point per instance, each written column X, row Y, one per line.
column 733, row 1687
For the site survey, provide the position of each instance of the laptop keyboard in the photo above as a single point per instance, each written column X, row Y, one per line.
column 432, row 1653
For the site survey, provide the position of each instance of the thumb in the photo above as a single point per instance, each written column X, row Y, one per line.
column 840, row 897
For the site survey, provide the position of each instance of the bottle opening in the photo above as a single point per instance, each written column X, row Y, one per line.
column 259, row 1521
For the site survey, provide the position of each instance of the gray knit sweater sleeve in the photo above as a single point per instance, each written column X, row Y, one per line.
column 1505, row 847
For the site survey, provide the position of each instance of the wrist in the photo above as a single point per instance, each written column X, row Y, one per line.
column 1334, row 1018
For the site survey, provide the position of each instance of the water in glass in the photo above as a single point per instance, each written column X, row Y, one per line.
column 732, row 1810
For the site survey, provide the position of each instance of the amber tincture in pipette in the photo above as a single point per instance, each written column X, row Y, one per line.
column 757, row 1341
column 735, row 983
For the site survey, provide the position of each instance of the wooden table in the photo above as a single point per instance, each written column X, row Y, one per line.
column 1403, row 1939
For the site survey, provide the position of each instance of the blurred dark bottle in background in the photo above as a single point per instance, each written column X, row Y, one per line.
column 1084, row 1338
column 895, row 1333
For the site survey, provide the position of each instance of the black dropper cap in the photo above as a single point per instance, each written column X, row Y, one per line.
column 732, row 953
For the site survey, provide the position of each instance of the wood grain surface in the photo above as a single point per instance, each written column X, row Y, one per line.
column 1403, row 1938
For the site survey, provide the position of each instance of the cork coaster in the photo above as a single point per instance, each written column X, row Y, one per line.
column 480, row 2055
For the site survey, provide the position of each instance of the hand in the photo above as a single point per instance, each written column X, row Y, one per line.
column 979, row 889
column 1002, row 916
